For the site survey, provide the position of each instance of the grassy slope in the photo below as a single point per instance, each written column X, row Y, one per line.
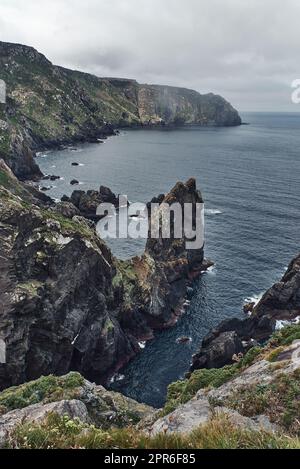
column 280, row 400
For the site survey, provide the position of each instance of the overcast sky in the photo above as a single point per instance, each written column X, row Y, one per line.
column 246, row 50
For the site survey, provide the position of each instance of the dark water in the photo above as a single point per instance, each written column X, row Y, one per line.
column 249, row 176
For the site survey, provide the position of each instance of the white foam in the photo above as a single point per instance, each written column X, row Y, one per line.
column 116, row 378
column 254, row 299
column 142, row 345
column 280, row 324
column 212, row 211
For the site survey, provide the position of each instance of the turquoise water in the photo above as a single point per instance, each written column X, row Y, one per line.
column 249, row 177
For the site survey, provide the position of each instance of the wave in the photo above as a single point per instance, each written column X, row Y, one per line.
column 254, row 299
column 212, row 211
column 116, row 378
column 280, row 324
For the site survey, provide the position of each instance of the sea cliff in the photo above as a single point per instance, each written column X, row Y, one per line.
column 49, row 106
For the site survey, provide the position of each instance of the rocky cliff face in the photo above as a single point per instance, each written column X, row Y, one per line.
column 282, row 300
column 66, row 303
column 235, row 336
column 49, row 106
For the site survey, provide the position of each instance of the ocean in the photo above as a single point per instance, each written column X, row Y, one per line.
column 249, row 177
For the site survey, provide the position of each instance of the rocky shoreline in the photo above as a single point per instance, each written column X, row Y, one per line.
column 234, row 337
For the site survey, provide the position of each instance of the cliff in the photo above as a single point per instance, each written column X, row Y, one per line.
column 235, row 336
column 66, row 302
column 49, row 106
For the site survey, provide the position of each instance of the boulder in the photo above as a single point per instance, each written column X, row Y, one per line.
column 38, row 413
column 231, row 337
column 218, row 352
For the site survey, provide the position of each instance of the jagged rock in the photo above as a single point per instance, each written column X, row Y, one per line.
column 88, row 202
column 66, row 209
column 74, row 182
column 67, row 304
column 248, row 307
column 167, row 268
column 282, row 300
column 231, row 337
column 219, row 352
column 108, row 196
column 258, row 423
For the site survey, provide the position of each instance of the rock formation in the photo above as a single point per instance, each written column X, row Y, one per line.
column 234, row 336
column 48, row 106
column 282, row 300
column 66, row 303
column 88, row 202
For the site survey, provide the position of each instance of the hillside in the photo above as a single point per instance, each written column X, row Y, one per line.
column 253, row 404
column 49, row 106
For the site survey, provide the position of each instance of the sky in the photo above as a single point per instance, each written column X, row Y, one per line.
column 246, row 50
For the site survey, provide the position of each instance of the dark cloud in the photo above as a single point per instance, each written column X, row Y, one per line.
column 246, row 50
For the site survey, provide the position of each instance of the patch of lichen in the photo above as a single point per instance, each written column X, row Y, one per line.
column 45, row 389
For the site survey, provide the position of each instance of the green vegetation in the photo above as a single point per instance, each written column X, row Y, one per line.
column 67, row 225
column 63, row 433
column 182, row 391
column 272, row 356
column 280, row 400
column 4, row 179
column 126, row 278
column 286, row 336
column 47, row 389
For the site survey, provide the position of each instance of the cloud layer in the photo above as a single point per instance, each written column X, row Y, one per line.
column 246, row 50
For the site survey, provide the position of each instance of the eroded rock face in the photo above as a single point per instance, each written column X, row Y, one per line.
column 163, row 274
column 219, row 352
column 66, row 303
column 230, row 338
column 282, row 300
